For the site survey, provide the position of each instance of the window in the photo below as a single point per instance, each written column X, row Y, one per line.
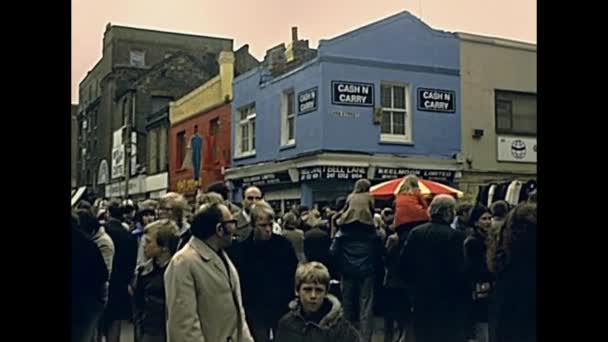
column 288, row 118
column 181, row 149
column 162, row 149
column 124, row 112
column 159, row 102
column 152, row 151
column 515, row 112
column 396, row 123
column 137, row 58
column 94, row 120
column 215, row 129
column 246, row 131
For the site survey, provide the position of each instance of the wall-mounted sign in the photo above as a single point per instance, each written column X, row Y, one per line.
column 136, row 186
column 436, row 100
column 118, row 161
column 266, row 179
column 352, row 93
column 333, row 172
column 344, row 114
column 103, row 173
column 434, row 175
column 186, row 186
column 307, row 101
column 516, row 149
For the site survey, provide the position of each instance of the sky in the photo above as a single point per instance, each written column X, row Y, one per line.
column 265, row 23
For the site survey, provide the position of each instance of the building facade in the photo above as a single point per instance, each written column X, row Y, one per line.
column 139, row 73
column 499, row 111
column 378, row 102
column 205, row 113
column 73, row 144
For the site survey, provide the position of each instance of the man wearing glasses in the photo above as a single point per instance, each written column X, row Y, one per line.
column 253, row 194
column 202, row 286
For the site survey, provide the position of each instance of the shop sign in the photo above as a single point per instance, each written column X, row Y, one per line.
column 118, row 161
column 103, row 172
column 333, row 172
column 517, row 149
column 307, row 101
column 434, row 175
column 187, row 186
column 352, row 93
column 118, row 189
column 266, row 179
column 436, row 100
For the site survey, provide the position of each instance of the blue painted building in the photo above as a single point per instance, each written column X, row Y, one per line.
column 378, row 102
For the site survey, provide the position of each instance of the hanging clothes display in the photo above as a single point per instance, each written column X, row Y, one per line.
column 513, row 191
column 491, row 195
column 526, row 189
column 482, row 195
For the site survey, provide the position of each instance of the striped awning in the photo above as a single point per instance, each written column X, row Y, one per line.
column 427, row 188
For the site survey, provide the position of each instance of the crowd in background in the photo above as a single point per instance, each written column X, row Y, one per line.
column 435, row 269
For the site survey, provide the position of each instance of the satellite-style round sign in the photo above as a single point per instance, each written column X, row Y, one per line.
column 518, row 149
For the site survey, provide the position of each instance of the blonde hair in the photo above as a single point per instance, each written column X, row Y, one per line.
column 261, row 209
column 209, row 197
column 362, row 185
column 409, row 184
column 176, row 202
column 312, row 272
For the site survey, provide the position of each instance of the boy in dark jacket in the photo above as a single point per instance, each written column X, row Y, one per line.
column 315, row 315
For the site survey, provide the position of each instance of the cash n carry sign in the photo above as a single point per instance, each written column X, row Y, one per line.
column 436, row 100
column 307, row 101
column 352, row 93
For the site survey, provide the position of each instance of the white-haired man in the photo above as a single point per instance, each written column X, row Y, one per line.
column 266, row 263
column 432, row 262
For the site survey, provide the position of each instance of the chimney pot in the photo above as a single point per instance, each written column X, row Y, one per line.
column 294, row 34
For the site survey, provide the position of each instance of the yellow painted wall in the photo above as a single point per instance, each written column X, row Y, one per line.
column 214, row 92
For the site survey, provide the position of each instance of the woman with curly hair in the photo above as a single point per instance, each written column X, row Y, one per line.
column 512, row 258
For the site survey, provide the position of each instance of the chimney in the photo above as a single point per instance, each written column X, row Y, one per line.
column 226, row 62
column 294, row 34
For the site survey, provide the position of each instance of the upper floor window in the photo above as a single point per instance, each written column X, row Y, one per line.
column 515, row 112
column 288, row 118
column 396, row 119
column 162, row 149
column 137, row 58
column 152, row 151
column 245, row 135
column 215, row 129
column 181, row 149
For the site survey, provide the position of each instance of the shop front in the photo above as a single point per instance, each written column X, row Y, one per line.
column 137, row 189
column 324, row 178
column 157, row 185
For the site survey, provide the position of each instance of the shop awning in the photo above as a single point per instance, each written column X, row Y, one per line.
column 76, row 196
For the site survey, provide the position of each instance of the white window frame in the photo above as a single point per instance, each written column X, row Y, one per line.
column 398, row 138
column 249, row 123
column 285, row 141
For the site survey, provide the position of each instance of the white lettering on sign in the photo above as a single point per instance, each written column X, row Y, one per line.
column 352, row 98
column 436, row 104
column 349, row 88
column 433, row 95
column 306, row 106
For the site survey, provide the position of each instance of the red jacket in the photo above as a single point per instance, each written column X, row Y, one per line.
column 410, row 208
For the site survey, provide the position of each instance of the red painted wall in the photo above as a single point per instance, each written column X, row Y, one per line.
column 211, row 169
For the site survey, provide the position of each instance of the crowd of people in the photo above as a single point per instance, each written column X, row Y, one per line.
column 434, row 268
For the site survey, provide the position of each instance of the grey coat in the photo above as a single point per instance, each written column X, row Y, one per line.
column 203, row 300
